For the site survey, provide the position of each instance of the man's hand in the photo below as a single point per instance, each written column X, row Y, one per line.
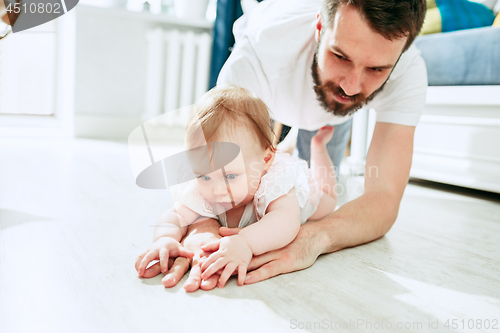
column 162, row 249
column 233, row 254
column 198, row 234
column 299, row 254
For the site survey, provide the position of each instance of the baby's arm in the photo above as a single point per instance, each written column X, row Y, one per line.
column 174, row 222
column 276, row 229
column 168, row 232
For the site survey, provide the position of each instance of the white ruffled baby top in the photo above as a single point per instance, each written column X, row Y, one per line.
column 287, row 172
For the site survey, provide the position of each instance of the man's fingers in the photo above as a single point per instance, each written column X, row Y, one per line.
column 163, row 259
column 152, row 271
column 210, row 283
column 194, row 279
column 224, row 232
column 176, row 272
column 263, row 259
column 265, row 272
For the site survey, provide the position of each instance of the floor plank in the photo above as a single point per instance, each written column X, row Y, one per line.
column 72, row 222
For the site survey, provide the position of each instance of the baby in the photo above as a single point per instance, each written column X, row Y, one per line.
column 240, row 180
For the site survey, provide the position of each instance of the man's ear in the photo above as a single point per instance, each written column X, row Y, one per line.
column 318, row 26
column 268, row 158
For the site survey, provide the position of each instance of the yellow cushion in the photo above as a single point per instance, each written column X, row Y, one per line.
column 432, row 22
column 496, row 23
column 431, row 4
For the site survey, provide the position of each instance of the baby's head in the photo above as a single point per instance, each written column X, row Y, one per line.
column 232, row 114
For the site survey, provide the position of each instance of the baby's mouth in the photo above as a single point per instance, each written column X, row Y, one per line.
column 225, row 205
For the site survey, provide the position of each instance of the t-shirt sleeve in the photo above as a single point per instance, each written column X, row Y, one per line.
column 243, row 69
column 280, row 179
column 402, row 100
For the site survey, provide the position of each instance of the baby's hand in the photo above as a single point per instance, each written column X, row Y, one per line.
column 161, row 249
column 233, row 253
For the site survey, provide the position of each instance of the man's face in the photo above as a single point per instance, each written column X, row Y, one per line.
column 352, row 62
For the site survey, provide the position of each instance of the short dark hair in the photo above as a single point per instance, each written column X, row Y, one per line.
column 390, row 18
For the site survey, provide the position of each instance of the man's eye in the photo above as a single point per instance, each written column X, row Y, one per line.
column 231, row 176
column 206, row 178
column 339, row 56
column 377, row 69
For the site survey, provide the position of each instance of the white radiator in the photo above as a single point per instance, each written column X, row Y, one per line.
column 177, row 73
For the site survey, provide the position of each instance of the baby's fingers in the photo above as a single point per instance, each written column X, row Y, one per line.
column 164, row 260
column 242, row 273
column 183, row 252
column 213, row 268
column 211, row 247
column 226, row 274
column 138, row 261
column 150, row 256
column 210, row 260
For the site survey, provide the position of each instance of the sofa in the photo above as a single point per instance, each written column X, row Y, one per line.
column 458, row 138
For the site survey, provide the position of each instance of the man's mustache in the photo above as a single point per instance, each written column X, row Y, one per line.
column 337, row 90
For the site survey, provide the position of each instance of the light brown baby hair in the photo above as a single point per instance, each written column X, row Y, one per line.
column 224, row 110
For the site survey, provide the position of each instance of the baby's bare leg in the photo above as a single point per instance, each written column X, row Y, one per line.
column 326, row 207
column 321, row 163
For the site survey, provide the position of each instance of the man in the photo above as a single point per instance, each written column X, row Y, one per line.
column 314, row 71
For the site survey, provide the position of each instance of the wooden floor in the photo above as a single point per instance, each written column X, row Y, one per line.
column 72, row 222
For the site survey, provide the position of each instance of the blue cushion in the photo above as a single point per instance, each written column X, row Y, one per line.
column 465, row 57
column 461, row 14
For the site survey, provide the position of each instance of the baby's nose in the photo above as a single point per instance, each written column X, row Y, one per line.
column 220, row 188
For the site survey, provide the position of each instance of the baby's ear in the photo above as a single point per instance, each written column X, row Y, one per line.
column 268, row 158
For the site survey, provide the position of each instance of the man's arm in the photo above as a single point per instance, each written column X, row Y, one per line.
column 372, row 214
column 360, row 221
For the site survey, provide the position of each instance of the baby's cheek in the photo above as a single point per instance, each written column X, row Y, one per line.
column 239, row 190
column 205, row 190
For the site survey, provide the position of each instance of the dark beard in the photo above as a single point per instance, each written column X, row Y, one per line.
column 337, row 108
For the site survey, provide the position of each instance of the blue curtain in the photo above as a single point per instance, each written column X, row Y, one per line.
column 228, row 11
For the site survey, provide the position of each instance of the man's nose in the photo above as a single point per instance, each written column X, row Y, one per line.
column 351, row 84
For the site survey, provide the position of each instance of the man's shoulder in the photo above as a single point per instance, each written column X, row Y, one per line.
column 402, row 99
column 275, row 15
column 407, row 61
column 280, row 33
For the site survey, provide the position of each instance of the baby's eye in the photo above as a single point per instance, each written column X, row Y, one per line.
column 206, row 178
column 231, row 176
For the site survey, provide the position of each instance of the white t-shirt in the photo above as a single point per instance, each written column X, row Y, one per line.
column 272, row 57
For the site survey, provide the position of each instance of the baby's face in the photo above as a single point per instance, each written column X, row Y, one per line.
column 235, row 184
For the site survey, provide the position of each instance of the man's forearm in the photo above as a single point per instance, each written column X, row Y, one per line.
column 357, row 222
